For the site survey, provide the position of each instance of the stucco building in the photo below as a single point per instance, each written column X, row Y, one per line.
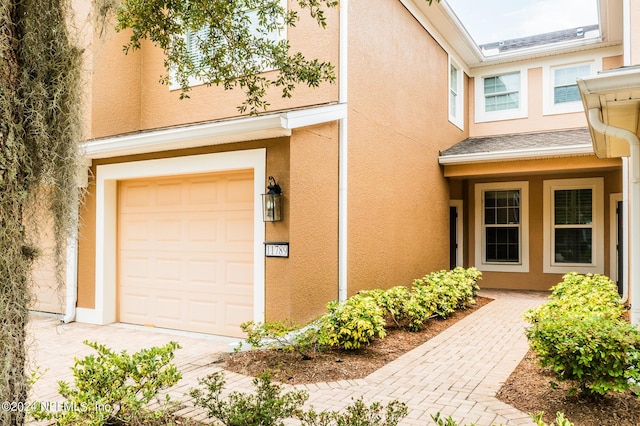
column 428, row 152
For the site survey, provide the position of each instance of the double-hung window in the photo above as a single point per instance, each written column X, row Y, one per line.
column 565, row 87
column 502, row 226
column 195, row 39
column 501, row 96
column 561, row 94
column 573, row 225
column 502, row 92
column 456, row 95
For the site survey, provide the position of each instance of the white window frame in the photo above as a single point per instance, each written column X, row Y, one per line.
column 458, row 117
column 549, row 107
column 480, row 243
column 193, row 82
column 596, row 266
column 521, row 112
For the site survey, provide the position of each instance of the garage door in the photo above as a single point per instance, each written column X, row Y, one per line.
column 185, row 252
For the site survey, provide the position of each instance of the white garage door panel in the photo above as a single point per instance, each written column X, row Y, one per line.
column 186, row 252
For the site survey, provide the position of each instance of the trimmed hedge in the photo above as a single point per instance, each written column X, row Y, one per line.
column 355, row 322
column 581, row 335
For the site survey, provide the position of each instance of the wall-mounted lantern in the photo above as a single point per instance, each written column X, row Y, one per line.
column 272, row 202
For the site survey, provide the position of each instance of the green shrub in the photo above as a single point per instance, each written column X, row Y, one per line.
column 269, row 406
column 581, row 295
column 353, row 323
column 283, row 335
column 358, row 414
column 537, row 418
column 581, row 336
column 599, row 354
column 113, row 388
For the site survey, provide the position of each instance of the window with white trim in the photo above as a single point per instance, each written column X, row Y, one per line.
column 561, row 93
column 565, row 87
column 501, row 96
column 502, row 226
column 574, row 225
column 194, row 39
column 456, row 94
column 502, row 92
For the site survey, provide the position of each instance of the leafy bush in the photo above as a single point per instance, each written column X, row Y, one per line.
column 283, row 335
column 600, row 354
column 581, row 295
column 537, row 418
column 358, row 414
column 113, row 388
column 353, row 323
column 356, row 321
column 581, row 335
column 269, row 406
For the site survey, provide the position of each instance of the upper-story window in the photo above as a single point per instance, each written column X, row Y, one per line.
column 456, row 95
column 195, row 39
column 560, row 92
column 565, row 88
column 502, row 92
column 501, row 96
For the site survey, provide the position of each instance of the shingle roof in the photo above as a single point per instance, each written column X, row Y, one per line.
column 521, row 141
column 576, row 33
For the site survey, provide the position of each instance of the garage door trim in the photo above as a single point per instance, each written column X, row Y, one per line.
column 107, row 177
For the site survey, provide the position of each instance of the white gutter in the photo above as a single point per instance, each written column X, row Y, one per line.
column 343, row 171
column 634, row 144
column 215, row 133
column 518, row 154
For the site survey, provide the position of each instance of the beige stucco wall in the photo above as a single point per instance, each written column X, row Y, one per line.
column 536, row 120
column 127, row 95
column 398, row 121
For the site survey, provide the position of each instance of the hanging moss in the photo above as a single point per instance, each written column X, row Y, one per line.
column 39, row 133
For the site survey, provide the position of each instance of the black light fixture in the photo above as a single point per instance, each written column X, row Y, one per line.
column 272, row 202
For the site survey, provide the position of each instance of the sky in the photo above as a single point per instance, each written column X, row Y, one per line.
column 495, row 20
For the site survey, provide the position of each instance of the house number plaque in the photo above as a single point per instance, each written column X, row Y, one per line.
column 276, row 249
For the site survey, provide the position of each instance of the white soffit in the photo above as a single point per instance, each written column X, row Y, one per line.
column 215, row 133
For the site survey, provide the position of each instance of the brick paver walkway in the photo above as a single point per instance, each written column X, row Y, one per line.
column 457, row 372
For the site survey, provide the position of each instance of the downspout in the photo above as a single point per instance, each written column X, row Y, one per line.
column 634, row 172
column 71, row 297
column 71, row 279
column 625, row 237
column 343, row 154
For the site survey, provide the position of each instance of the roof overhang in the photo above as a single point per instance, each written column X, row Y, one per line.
column 611, row 101
column 214, row 133
column 517, row 154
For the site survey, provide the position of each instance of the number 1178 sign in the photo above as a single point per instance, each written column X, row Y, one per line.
column 276, row 249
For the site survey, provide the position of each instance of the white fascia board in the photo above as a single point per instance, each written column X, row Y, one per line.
column 520, row 154
column 216, row 133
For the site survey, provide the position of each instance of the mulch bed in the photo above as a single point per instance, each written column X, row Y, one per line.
column 529, row 390
column 335, row 365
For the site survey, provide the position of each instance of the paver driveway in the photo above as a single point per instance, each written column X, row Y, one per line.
column 457, row 372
